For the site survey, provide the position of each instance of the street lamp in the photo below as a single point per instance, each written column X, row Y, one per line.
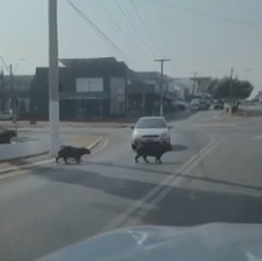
column 13, row 99
column 18, row 62
column 8, row 67
column 3, row 62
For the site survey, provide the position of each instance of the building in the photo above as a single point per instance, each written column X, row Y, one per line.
column 89, row 88
column 140, row 96
column 20, row 92
column 258, row 97
column 99, row 88
column 144, row 93
column 187, row 88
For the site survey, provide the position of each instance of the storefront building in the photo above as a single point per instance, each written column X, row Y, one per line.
column 89, row 88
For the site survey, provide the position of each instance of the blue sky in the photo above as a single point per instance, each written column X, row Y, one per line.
column 206, row 36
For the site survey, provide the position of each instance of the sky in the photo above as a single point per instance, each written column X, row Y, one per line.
column 204, row 36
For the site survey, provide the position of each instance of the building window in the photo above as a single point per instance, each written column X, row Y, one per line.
column 89, row 85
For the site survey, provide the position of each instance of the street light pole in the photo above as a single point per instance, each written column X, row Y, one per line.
column 18, row 62
column 13, row 98
column 53, row 79
column 14, row 101
column 194, row 84
column 231, row 84
column 162, row 61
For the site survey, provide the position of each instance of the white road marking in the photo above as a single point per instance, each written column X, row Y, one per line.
column 215, row 124
column 218, row 116
column 160, row 189
column 257, row 137
column 101, row 147
column 150, row 205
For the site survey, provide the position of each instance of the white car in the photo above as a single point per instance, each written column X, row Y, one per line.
column 5, row 115
column 151, row 129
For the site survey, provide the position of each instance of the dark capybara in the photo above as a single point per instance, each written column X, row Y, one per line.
column 6, row 136
column 72, row 152
column 153, row 150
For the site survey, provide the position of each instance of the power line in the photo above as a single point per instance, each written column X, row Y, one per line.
column 143, row 24
column 95, row 28
column 134, row 29
column 109, row 16
column 200, row 14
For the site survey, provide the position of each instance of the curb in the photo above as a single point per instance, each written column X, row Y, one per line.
column 39, row 163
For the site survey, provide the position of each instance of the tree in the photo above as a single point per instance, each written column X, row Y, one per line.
column 222, row 89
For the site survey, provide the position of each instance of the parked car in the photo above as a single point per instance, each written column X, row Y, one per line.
column 180, row 105
column 5, row 115
column 151, row 129
column 204, row 105
column 218, row 105
column 194, row 105
column 199, row 104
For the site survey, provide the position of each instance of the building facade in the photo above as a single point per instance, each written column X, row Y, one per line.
column 89, row 88
column 20, row 91
column 144, row 93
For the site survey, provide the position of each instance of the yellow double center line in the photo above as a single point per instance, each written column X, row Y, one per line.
column 160, row 191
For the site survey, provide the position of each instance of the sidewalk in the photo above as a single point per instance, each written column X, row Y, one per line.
column 45, row 124
column 96, row 123
column 251, row 111
column 35, row 161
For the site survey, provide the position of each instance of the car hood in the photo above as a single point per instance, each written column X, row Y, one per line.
column 216, row 241
column 149, row 131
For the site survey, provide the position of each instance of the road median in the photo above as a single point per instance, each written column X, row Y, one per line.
column 44, row 124
column 36, row 161
column 110, row 123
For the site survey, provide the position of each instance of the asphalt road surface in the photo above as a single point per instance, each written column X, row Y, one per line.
column 213, row 174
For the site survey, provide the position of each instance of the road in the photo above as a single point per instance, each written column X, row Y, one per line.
column 213, row 174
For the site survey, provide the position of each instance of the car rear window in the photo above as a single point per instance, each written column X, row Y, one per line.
column 151, row 123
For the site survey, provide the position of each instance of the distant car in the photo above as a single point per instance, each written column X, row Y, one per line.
column 151, row 130
column 199, row 105
column 180, row 105
column 204, row 105
column 218, row 106
column 5, row 116
column 194, row 107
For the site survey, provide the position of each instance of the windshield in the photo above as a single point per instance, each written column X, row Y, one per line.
column 151, row 124
column 122, row 113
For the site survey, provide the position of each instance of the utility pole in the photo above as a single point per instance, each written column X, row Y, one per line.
column 231, row 84
column 162, row 61
column 13, row 98
column 2, row 88
column 53, row 79
column 194, row 84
